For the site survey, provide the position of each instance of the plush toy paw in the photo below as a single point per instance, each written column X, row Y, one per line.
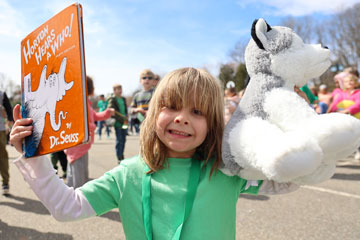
column 274, row 154
column 324, row 172
column 338, row 134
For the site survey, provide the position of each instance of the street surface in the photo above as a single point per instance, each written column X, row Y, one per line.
column 329, row 211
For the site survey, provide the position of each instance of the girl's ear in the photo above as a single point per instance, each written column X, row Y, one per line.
column 258, row 30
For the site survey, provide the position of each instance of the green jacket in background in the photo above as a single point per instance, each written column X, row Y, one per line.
column 119, row 117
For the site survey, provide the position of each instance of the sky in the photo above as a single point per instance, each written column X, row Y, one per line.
column 124, row 37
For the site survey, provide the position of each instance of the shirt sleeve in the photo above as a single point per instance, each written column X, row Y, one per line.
column 63, row 202
column 133, row 103
column 312, row 98
column 100, row 116
column 105, row 192
column 356, row 107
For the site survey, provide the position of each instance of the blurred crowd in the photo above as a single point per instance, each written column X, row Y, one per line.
column 124, row 116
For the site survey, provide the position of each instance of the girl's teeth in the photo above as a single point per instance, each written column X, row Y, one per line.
column 179, row 133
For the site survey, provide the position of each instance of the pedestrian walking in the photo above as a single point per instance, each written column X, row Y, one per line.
column 118, row 103
column 5, row 113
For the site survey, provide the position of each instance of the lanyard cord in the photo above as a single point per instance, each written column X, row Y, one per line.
column 189, row 200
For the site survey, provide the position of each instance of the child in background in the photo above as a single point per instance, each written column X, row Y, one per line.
column 156, row 80
column 348, row 100
column 118, row 103
column 173, row 188
column 140, row 102
column 78, row 158
column 102, row 105
column 324, row 99
column 231, row 102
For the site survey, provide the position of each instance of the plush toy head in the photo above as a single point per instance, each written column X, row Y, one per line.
column 283, row 53
column 274, row 134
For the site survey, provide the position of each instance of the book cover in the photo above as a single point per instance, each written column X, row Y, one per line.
column 54, row 92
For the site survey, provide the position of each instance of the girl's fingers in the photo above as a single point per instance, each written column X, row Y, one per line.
column 19, row 129
column 16, row 112
column 22, row 122
column 20, row 135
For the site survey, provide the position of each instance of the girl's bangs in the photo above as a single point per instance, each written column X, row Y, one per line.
column 187, row 93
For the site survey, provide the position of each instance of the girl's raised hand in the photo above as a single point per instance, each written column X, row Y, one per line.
column 21, row 129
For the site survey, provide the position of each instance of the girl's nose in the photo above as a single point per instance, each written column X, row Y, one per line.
column 181, row 118
column 178, row 121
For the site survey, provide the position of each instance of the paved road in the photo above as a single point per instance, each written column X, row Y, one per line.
column 330, row 210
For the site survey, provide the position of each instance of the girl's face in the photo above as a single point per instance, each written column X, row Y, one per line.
column 181, row 130
column 349, row 84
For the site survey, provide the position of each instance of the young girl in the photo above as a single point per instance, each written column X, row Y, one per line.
column 348, row 100
column 174, row 188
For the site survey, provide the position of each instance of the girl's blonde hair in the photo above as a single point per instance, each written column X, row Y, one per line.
column 185, row 87
column 352, row 78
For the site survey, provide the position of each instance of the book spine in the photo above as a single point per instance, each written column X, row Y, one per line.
column 83, row 75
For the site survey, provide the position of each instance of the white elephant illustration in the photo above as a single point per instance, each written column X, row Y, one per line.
column 44, row 99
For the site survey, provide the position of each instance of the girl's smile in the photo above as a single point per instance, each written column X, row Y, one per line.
column 177, row 133
column 181, row 130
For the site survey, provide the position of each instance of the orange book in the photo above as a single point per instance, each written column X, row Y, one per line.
column 54, row 92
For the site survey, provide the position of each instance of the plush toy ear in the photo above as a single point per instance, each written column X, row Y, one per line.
column 258, row 30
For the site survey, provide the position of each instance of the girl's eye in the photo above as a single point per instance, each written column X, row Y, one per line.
column 197, row 112
column 171, row 107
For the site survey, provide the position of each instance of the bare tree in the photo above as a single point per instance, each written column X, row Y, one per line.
column 237, row 54
column 344, row 31
column 8, row 85
column 303, row 26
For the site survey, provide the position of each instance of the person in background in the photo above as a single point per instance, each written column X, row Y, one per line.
column 347, row 101
column 102, row 105
column 231, row 101
column 338, row 79
column 118, row 103
column 5, row 113
column 156, row 80
column 140, row 101
column 312, row 99
column 324, row 99
column 134, row 124
column 78, row 157
column 353, row 71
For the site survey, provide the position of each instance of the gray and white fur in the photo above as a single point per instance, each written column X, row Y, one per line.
column 274, row 134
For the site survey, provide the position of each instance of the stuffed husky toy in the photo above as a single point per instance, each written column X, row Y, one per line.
column 274, row 134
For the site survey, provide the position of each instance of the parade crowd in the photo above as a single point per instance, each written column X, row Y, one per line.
column 113, row 114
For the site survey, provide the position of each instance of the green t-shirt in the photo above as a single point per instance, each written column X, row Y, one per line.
column 213, row 215
column 121, row 104
column 312, row 98
column 102, row 105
